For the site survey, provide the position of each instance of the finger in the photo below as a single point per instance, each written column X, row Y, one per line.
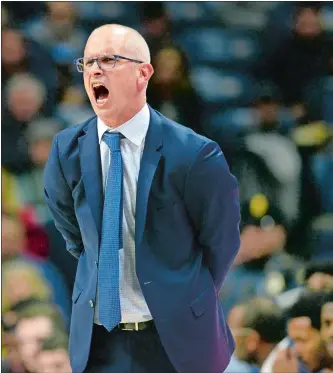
column 289, row 353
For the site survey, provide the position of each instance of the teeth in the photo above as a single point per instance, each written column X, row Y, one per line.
column 101, row 101
column 97, row 85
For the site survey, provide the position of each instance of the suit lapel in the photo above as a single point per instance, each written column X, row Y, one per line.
column 149, row 162
column 90, row 160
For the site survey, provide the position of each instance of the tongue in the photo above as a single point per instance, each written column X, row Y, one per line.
column 103, row 95
column 102, row 98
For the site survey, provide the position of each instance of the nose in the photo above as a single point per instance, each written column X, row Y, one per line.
column 95, row 70
column 330, row 332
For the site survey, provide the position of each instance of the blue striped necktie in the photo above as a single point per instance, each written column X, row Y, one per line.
column 111, row 238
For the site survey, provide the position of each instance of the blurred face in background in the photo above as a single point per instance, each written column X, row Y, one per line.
column 39, row 151
column 268, row 112
column 53, row 361
column 327, row 327
column 320, row 282
column 24, row 101
column 12, row 237
column 308, row 344
column 308, row 23
column 168, row 66
column 62, row 18
column 30, row 333
column 239, row 332
column 12, row 49
column 21, row 280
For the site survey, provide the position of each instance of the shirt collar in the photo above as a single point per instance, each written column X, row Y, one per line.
column 134, row 129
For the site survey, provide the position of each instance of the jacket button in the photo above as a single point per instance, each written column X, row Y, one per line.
column 91, row 303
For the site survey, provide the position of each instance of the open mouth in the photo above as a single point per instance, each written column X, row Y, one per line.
column 101, row 93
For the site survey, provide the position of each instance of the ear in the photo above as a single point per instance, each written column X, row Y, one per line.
column 253, row 341
column 146, row 70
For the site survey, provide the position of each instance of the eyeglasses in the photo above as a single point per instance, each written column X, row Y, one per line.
column 105, row 62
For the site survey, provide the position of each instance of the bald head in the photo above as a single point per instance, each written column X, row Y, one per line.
column 124, row 40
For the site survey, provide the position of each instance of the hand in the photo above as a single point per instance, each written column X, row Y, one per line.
column 257, row 243
column 285, row 361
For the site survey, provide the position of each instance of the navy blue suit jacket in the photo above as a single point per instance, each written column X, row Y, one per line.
column 186, row 236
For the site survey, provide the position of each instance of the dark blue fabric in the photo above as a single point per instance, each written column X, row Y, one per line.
column 127, row 351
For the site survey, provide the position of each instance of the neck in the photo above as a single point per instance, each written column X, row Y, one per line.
column 263, row 353
column 124, row 116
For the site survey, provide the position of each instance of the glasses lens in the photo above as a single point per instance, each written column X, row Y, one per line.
column 79, row 65
column 107, row 62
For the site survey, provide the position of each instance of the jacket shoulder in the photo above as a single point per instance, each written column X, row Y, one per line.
column 69, row 136
column 182, row 139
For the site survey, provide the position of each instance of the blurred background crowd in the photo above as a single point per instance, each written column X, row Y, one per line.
column 257, row 78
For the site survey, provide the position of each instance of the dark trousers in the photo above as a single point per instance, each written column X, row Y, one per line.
column 121, row 351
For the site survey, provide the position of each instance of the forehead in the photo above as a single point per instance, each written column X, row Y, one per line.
column 236, row 317
column 34, row 326
column 300, row 327
column 103, row 42
column 327, row 311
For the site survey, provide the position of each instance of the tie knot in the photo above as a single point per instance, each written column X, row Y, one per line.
column 112, row 140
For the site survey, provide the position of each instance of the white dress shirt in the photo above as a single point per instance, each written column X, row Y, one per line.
column 132, row 303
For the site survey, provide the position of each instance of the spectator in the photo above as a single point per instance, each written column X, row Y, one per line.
column 319, row 276
column 35, row 325
column 25, row 96
column 53, row 357
column 22, row 11
column 22, row 55
column 156, row 25
column 39, row 136
column 327, row 327
column 301, row 58
column 170, row 90
column 304, row 336
column 21, row 281
column 318, row 96
column 25, row 275
column 263, row 239
column 257, row 327
column 271, row 161
column 270, row 113
column 59, row 32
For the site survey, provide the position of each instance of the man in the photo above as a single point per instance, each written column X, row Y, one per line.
column 305, row 342
column 36, row 323
column 327, row 327
column 257, row 327
column 145, row 294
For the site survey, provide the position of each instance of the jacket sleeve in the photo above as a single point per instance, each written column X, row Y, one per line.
column 211, row 198
column 58, row 196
